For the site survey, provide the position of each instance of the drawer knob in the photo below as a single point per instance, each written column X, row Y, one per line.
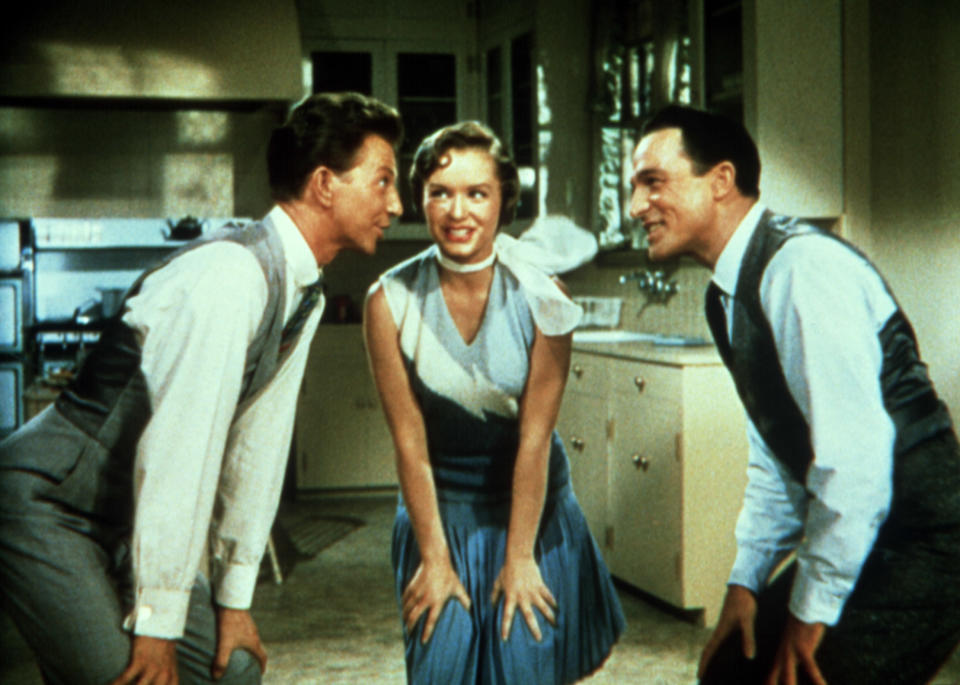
column 577, row 370
column 640, row 383
column 640, row 461
column 578, row 443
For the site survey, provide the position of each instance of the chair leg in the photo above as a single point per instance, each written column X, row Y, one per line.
column 274, row 562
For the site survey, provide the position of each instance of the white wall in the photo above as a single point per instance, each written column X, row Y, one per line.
column 915, row 171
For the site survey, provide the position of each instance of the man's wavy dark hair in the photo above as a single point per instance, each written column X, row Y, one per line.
column 326, row 129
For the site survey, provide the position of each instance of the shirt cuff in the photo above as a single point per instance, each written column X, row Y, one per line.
column 812, row 602
column 236, row 584
column 752, row 568
column 159, row 613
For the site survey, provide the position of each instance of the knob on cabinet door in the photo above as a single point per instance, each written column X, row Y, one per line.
column 577, row 370
column 578, row 443
column 640, row 461
column 640, row 383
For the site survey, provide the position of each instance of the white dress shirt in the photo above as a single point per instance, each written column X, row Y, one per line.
column 208, row 472
column 826, row 306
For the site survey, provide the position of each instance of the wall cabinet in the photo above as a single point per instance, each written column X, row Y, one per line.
column 673, row 463
column 341, row 440
column 779, row 67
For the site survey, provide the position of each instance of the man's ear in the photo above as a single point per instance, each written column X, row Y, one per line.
column 724, row 179
column 322, row 185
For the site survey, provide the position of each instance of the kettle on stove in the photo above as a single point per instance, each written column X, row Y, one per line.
column 187, row 228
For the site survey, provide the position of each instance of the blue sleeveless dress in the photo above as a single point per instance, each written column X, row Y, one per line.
column 469, row 396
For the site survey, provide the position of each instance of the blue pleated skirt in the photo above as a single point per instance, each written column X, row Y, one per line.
column 466, row 646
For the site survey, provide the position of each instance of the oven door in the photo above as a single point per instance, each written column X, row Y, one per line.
column 11, row 315
column 11, row 397
column 9, row 245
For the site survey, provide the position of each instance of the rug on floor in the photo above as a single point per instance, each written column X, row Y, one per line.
column 304, row 538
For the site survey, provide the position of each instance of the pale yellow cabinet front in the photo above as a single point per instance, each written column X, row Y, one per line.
column 341, row 437
column 582, row 426
column 663, row 492
column 646, row 478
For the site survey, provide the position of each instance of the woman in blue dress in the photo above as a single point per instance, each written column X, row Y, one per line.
column 469, row 343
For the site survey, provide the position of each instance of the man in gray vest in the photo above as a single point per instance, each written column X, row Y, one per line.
column 854, row 466
column 171, row 442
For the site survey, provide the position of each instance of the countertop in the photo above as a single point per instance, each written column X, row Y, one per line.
column 699, row 355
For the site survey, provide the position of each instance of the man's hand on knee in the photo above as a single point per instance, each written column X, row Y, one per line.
column 153, row 660
column 738, row 613
column 236, row 630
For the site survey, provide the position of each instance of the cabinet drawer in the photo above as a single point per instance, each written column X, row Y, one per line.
column 638, row 379
column 588, row 375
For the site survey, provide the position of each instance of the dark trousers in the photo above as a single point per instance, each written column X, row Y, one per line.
column 902, row 621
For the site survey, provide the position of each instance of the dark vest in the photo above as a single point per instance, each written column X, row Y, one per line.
column 108, row 400
column 751, row 357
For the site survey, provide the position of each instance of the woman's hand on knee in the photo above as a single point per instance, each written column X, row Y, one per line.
column 427, row 592
column 522, row 586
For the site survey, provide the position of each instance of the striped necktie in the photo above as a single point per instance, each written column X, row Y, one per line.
column 311, row 294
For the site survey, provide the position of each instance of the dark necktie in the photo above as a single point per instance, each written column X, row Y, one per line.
column 311, row 294
column 717, row 318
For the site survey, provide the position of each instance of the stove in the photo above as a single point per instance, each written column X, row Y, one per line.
column 80, row 270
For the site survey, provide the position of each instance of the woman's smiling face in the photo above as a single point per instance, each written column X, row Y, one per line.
column 461, row 201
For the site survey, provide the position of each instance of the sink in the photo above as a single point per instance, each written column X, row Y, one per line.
column 611, row 336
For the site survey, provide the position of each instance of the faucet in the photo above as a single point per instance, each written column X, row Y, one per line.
column 653, row 283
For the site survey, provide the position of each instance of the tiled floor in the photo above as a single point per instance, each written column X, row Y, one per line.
column 334, row 621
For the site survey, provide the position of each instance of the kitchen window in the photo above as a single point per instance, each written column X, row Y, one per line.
column 426, row 83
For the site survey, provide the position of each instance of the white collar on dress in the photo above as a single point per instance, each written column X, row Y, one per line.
column 552, row 245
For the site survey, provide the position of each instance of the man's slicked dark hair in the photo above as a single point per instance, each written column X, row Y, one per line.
column 709, row 139
column 326, row 129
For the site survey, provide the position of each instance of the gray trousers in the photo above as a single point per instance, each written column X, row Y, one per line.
column 65, row 579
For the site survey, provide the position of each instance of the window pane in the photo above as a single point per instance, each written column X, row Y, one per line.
column 426, row 100
column 495, row 91
column 339, row 71
column 426, row 75
column 522, row 94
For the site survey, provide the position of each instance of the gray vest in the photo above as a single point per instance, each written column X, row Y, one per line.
column 751, row 357
column 108, row 406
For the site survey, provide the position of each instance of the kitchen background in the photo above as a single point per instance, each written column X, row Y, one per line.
column 162, row 111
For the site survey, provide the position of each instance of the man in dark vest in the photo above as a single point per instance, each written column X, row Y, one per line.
column 854, row 468
column 170, row 445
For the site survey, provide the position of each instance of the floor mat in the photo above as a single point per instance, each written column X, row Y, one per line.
column 313, row 534
column 302, row 539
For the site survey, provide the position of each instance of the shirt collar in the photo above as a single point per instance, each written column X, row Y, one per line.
column 300, row 260
column 726, row 272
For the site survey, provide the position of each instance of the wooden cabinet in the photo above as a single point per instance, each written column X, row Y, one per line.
column 341, row 437
column 674, row 455
column 582, row 425
column 645, row 478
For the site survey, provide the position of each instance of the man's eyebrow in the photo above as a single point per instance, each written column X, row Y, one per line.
column 646, row 172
